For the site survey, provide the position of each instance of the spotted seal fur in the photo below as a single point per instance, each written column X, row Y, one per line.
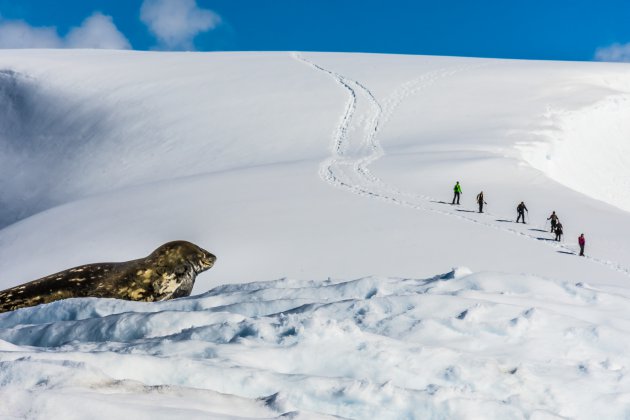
column 168, row 272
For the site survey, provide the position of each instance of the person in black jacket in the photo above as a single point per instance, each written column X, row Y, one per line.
column 521, row 209
column 480, row 201
column 554, row 221
column 559, row 231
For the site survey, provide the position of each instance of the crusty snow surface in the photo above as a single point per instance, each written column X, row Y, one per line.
column 460, row 345
column 334, row 174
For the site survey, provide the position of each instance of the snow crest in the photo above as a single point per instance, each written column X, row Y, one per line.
column 587, row 149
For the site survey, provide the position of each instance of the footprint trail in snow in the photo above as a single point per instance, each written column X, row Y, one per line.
column 355, row 146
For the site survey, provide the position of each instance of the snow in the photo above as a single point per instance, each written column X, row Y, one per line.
column 334, row 174
column 592, row 137
column 459, row 345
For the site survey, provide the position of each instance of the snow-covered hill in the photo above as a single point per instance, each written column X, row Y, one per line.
column 314, row 166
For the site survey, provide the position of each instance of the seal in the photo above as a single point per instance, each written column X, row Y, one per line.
column 168, row 272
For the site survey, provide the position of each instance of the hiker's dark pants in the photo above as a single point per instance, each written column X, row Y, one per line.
column 521, row 214
column 582, row 250
column 456, row 197
column 558, row 236
column 553, row 226
column 480, row 207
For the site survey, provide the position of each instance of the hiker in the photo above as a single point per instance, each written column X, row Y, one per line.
column 480, row 201
column 554, row 221
column 458, row 190
column 521, row 209
column 559, row 231
column 582, row 242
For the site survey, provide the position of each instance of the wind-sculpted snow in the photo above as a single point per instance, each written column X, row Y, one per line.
column 70, row 130
column 458, row 345
column 586, row 149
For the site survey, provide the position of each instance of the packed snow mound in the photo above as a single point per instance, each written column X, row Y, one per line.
column 457, row 345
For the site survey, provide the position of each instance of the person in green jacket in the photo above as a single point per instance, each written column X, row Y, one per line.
column 458, row 190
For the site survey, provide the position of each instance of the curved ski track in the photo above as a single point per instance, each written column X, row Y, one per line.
column 355, row 146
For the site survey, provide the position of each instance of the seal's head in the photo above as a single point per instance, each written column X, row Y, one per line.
column 179, row 255
column 177, row 263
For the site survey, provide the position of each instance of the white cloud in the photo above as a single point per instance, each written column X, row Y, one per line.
column 614, row 52
column 175, row 23
column 97, row 31
column 19, row 34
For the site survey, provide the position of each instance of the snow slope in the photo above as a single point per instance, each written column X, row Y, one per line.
column 230, row 150
column 312, row 166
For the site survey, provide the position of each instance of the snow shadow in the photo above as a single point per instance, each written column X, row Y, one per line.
column 43, row 131
column 566, row 252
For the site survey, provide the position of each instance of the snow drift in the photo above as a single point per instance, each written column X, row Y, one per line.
column 459, row 345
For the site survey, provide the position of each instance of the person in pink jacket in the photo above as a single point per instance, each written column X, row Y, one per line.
column 582, row 242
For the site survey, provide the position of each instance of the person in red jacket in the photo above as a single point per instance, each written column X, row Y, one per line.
column 582, row 242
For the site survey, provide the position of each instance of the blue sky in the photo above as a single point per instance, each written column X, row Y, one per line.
column 530, row 29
